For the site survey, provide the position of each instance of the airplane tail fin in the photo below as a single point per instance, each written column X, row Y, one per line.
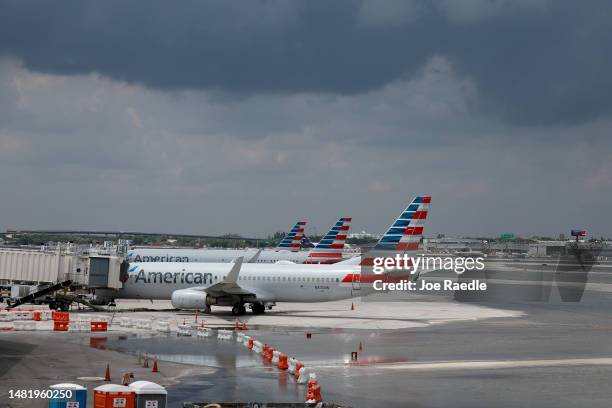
column 330, row 248
column 293, row 240
column 405, row 234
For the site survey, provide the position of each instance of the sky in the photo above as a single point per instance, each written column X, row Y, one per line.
column 245, row 116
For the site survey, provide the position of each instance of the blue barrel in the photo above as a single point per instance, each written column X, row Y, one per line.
column 78, row 396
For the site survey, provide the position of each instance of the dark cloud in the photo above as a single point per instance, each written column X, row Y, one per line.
column 535, row 63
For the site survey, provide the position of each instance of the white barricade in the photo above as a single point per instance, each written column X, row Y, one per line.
column 126, row 322
column 245, row 340
column 305, row 375
column 23, row 325
column 257, row 346
column 224, row 334
column 6, row 317
column 183, row 330
column 239, row 337
column 275, row 355
column 162, row 326
column 291, row 363
column 80, row 317
column 204, row 332
column 22, row 315
column 46, row 314
column 143, row 324
column 79, row 326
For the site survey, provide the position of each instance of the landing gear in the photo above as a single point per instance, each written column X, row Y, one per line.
column 258, row 308
column 238, row 309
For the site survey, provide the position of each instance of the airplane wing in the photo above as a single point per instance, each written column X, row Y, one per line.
column 255, row 257
column 229, row 286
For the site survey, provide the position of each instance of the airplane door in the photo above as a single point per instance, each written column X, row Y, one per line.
column 356, row 281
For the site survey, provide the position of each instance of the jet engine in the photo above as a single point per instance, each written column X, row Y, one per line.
column 188, row 299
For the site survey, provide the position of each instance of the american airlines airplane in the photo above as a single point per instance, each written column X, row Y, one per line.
column 202, row 285
column 329, row 250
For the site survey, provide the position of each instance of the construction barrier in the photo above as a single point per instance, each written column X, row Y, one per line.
column 22, row 315
column 257, row 346
column 240, row 337
column 125, row 322
column 251, row 343
column 24, row 325
column 275, row 354
column 60, row 326
column 305, row 375
column 291, row 365
column 99, row 326
column 282, row 362
column 60, row 316
column 224, row 335
column 79, row 326
column 143, row 324
column 245, row 340
column 313, row 395
column 6, row 317
column 183, row 330
column 45, row 314
column 204, row 332
column 162, row 326
column 298, row 367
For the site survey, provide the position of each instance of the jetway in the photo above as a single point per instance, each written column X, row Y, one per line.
column 26, row 266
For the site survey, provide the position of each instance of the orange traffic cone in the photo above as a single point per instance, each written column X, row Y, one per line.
column 244, row 326
column 352, row 306
column 196, row 315
column 155, row 370
column 146, row 362
column 107, row 374
column 360, row 346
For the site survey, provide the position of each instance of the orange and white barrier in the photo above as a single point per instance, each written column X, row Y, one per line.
column 143, row 324
column 275, row 355
column 257, row 346
column 98, row 326
column 305, row 375
column 224, row 334
column 79, row 326
column 162, row 326
column 291, row 365
column 313, row 395
column 183, row 330
column 204, row 332
column 282, row 362
column 24, row 325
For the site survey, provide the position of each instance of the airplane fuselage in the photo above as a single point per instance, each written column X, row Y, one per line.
column 270, row 283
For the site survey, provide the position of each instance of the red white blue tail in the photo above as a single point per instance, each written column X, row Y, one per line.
column 405, row 234
column 293, row 240
column 331, row 247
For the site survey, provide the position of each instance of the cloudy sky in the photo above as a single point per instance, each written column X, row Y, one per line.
column 242, row 116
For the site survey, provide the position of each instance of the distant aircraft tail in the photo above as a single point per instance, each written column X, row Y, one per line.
column 405, row 234
column 330, row 249
column 293, row 240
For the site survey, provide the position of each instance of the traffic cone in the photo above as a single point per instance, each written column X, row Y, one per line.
column 155, row 370
column 107, row 374
column 146, row 362
column 360, row 346
column 352, row 306
column 196, row 315
column 244, row 326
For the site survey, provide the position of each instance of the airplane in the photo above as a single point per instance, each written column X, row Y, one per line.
column 329, row 250
column 202, row 285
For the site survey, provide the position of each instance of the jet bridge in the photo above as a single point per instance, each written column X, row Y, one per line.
column 40, row 267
